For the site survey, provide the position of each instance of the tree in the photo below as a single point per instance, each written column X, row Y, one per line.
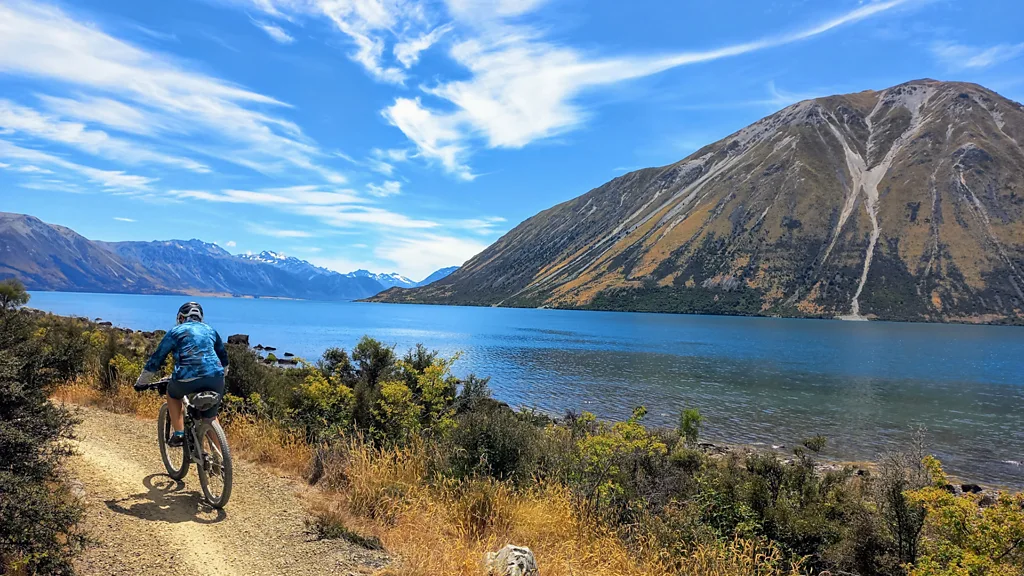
column 12, row 294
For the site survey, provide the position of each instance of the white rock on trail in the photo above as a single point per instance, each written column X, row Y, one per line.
column 512, row 561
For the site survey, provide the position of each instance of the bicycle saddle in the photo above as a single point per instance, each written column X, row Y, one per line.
column 203, row 401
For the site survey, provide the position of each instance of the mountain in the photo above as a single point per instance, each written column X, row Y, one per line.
column 442, row 273
column 289, row 263
column 901, row 204
column 49, row 257
column 386, row 280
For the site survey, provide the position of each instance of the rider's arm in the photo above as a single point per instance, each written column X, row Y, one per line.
column 155, row 361
column 222, row 353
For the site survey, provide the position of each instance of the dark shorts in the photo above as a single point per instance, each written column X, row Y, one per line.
column 178, row 389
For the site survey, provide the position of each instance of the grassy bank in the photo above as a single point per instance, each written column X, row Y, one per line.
column 409, row 457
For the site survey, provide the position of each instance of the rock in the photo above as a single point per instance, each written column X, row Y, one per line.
column 105, row 324
column 288, row 354
column 240, row 339
column 287, row 362
column 258, row 347
column 269, row 348
column 951, row 489
column 512, row 561
column 970, row 488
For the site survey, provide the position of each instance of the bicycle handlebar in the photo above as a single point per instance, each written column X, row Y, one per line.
column 158, row 385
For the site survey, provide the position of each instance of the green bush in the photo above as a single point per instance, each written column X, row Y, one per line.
column 38, row 514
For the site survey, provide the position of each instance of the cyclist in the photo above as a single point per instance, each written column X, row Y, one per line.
column 200, row 362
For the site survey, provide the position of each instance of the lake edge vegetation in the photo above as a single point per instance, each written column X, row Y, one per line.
column 396, row 443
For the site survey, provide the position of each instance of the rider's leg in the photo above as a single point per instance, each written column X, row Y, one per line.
column 174, row 406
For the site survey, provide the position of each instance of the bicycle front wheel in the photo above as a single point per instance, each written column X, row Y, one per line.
column 215, row 468
column 176, row 461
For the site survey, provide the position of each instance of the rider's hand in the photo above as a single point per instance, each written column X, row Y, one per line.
column 144, row 379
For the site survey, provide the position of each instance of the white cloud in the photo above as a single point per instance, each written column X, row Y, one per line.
column 230, row 244
column 389, row 188
column 340, row 209
column 276, row 33
column 523, row 88
column 408, row 52
column 419, row 256
column 31, row 122
column 961, row 57
column 480, row 225
column 438, row 136
column 122, row 219
column 111, row 179
column 234, row 124
column 106, row 112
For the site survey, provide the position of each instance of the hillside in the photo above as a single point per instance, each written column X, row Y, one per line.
column 902, row 204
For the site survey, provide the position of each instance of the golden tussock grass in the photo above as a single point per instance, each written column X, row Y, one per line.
column 268, row 443
column 447, row 527
column 124, row 400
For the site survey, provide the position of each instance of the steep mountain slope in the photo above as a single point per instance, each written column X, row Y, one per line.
column 907, row 203
column 439, row 274
column 47, row 257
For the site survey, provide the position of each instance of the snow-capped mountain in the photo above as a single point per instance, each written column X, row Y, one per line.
column 387, row 280
column 289, row 263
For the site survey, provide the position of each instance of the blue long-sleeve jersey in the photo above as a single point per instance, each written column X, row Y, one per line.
column 198, row 352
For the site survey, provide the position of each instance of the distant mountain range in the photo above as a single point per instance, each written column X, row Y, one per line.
column 49, row 257
column 901, row 204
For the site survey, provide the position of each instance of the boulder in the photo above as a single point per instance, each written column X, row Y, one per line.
column 288, row 354
column 970, row 488
column 270, row 348
column 105, row 324
column 512, row 561
column 240, row 339
column 258, row 347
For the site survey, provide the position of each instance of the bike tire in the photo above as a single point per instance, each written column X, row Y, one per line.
column 224, row 467
column 167, row 453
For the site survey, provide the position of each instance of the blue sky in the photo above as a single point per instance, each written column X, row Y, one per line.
column 406, row 136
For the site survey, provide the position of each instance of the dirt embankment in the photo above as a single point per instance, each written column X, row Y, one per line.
column 146, row 523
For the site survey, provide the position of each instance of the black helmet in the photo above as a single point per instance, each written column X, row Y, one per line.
column 190, row 312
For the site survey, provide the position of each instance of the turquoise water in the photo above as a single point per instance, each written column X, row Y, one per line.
column 864, row 385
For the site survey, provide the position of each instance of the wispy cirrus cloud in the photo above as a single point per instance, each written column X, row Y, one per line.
column 523, row 87
column 30, row 122
column 117, row 83
column 123, row 219
column 340, row 209
column 110, row 179
column 389, row 188
column 962, row 57
column 276, row 33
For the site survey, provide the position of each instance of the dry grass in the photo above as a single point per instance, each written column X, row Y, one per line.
column 124, row 401
column 437, row 526
column 268, row 443
column 447, row 527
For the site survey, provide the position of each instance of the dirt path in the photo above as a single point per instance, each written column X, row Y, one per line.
column 147, row 523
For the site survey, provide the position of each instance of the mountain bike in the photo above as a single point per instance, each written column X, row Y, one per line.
column 205, row 445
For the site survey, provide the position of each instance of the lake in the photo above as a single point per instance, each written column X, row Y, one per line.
column 866, row 386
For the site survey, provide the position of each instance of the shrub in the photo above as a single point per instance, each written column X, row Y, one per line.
column 38, row 515
column 325, row 406
column 689, row 426
column 964, row 537
column 492, row 442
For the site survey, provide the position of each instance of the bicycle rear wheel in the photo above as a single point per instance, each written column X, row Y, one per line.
column 215, row 469
column 176, row 461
